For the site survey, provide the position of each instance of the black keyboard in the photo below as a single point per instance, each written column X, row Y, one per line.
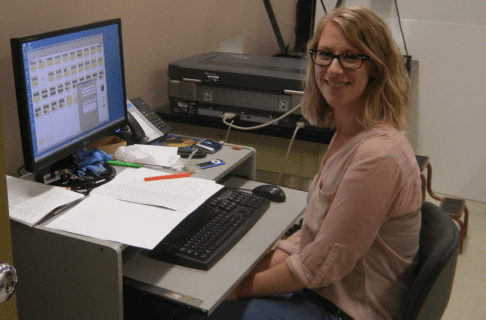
column 209, row 232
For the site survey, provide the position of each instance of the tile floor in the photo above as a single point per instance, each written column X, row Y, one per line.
column 468, row 298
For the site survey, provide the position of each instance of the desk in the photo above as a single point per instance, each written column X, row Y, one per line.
column 68, row 276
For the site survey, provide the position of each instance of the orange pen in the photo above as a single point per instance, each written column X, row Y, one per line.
column 169, row 176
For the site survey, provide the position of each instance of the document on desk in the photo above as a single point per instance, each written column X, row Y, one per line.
column 184, row 194
column 29, row 201
column 105, row 218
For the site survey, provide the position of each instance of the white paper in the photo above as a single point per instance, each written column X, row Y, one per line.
column 109, row 219
column 29, row 202
column 139, row 153
column 183, row 194
column 232, row 45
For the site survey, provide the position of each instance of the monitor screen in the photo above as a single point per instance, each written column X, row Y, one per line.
column 70, row 90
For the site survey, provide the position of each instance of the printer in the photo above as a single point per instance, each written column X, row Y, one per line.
column 257, row 89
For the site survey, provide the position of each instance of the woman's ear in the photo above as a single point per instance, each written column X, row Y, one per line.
column 374, row 72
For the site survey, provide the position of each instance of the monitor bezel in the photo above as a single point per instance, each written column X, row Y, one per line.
column 43, row 165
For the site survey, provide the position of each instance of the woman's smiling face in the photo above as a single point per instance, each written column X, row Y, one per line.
column 342, row 88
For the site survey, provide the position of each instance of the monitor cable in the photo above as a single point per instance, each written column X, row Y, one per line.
column 86, row 184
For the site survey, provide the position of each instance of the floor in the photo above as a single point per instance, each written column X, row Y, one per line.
column 468, row 298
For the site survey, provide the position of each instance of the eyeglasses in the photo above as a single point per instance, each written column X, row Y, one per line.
column 349, row 61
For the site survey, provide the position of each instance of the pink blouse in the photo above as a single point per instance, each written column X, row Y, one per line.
column 358, row 243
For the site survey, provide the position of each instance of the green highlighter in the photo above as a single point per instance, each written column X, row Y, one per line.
column 123, row 164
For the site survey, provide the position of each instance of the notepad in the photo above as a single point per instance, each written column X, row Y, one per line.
column 178, row 194
column 29, row 202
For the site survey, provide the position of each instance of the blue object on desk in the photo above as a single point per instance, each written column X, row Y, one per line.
column 92, row 161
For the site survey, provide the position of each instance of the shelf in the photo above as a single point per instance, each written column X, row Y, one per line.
column 310, row 134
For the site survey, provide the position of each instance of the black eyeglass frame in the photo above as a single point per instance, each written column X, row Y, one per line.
column 313, row 54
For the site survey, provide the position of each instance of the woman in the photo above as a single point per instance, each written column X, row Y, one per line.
column 356, row 252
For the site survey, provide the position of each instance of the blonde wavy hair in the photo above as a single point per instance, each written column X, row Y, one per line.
column 385, row 97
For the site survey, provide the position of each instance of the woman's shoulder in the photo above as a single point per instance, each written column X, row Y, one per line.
column 382, row 136
column 386, row 142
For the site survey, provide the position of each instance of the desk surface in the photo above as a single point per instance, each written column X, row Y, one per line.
column 240, row 162
column 60, row 267
column 237, row 162
column 204, row 290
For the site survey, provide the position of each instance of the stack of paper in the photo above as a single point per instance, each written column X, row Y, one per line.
column 29, row 202
column 128, row 209
column 114, row 211
column 185, row 194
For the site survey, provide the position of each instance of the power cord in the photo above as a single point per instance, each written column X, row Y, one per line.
column 298, row 126
column 229, row 116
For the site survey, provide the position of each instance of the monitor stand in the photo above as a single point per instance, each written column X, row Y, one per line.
column 55, row 171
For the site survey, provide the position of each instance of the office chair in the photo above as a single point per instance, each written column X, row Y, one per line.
column 438, row 250
column 454, row 207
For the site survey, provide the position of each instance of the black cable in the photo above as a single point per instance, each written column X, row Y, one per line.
column 88, row 182
column 323, row 7
column 18, row 170
column 338, row 4
column 401, row 30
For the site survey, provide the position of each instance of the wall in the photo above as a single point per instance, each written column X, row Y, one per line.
column 446, row 123
column 446, row 37
column 155, row 33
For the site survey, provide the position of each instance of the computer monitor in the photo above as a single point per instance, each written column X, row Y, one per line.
column 70, row 88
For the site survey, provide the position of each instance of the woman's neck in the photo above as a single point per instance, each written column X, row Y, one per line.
column 347, row 124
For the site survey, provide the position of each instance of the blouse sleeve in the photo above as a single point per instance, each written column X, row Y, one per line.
column 291, row 245
column 359, row 208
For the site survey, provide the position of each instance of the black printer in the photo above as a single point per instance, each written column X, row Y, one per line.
column 257, row 89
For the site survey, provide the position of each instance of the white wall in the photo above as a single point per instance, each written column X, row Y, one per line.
column 447, row 122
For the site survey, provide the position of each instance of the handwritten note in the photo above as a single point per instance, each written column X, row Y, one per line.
column 185, row 194
column 29, row 202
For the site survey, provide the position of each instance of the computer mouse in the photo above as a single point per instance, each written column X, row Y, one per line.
column 270, row 192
